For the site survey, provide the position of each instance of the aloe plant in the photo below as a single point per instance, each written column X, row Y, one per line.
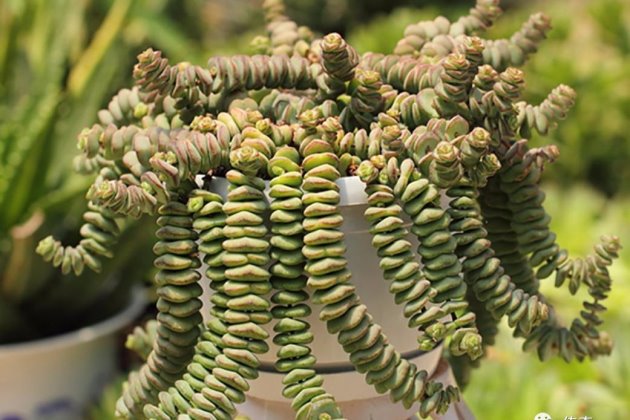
column 45, row 66
column 441, row 116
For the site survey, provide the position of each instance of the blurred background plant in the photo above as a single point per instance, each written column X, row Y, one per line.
column 59, row 65
column 47, row 71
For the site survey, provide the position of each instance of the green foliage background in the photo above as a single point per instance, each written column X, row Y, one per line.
column 59, row 65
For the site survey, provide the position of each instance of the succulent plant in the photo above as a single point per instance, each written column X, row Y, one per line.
column 438, row 135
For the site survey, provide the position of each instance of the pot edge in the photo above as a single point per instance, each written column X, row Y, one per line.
column 83, row 334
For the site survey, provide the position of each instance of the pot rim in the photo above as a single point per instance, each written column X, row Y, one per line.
column 83, row 334
column 351, row 189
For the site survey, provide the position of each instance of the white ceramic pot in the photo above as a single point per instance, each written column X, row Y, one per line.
column 57, row 377
column 357, row 399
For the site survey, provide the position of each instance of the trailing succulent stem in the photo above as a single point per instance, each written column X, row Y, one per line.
column 178, row 306
column 437, row 133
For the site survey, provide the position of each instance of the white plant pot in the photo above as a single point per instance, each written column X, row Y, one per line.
column 57, row 377
column 357, row 399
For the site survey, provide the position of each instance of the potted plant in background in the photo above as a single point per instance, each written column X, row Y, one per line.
column 58, row 335
column 258, row 166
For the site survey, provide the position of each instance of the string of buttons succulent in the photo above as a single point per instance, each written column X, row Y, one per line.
column 438, row 134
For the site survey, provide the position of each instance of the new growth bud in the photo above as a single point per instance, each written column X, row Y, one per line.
column 247, row 159
column 367, row 171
